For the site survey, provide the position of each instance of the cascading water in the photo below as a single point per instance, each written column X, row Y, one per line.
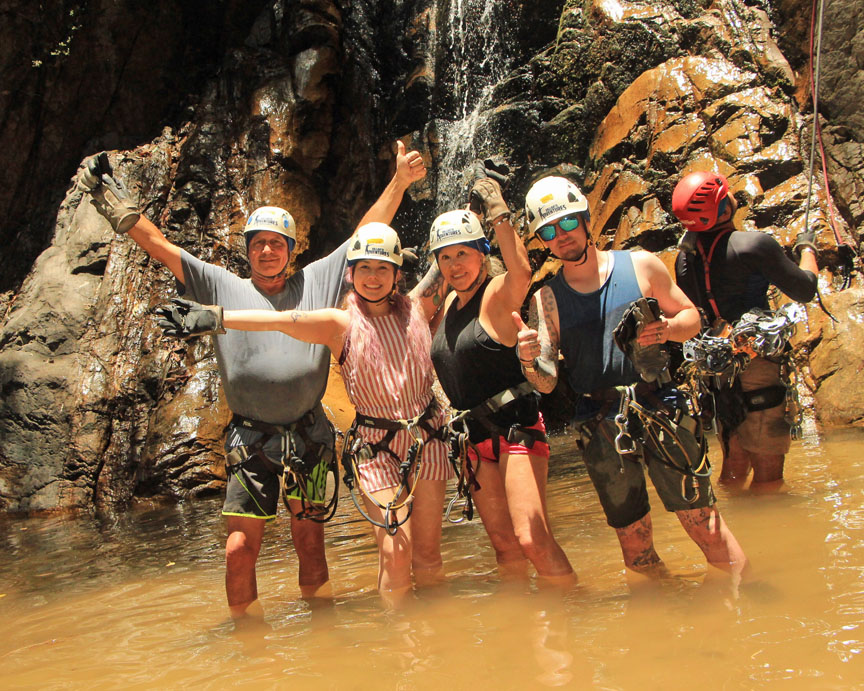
column 475, row 50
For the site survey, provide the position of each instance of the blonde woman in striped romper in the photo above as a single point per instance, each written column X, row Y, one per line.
column 383, row 342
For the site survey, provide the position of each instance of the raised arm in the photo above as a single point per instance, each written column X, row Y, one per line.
column 430, row 291
column 409, row 169
column 537, row 342
column 680, row 319
column 112, row 200
column 512, row 287
column 154, row 243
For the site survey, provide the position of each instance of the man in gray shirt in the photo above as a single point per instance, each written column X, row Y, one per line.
column 268, row 377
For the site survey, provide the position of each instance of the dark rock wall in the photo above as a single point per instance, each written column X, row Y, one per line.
column 212, row 111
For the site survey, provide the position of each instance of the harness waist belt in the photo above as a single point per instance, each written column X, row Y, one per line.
column 494, row 403
column 396, row 425
column 268, row 428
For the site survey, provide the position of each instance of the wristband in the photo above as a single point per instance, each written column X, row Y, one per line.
column 500, row 220
column 528, row 365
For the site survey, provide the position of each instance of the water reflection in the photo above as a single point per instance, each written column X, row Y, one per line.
column 139, row 601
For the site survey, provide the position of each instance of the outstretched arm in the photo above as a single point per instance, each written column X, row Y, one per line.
column 324, row 326
column 154, row 243
column 537, row 342
column 510, row 290
column 409, row 169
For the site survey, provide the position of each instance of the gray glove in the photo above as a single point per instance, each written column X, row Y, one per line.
column 806, row 238
column 487, row 193
column 186, row 319
column 108, row 195
column 652, row 362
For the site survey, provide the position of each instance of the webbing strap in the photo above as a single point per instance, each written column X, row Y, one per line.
column 706, row 265
column 494, row 403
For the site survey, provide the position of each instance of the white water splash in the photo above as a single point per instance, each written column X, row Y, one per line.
column 476, row 43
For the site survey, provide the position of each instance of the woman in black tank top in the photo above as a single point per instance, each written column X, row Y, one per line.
column 475, row 358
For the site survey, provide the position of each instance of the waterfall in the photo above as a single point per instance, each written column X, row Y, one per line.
column 475, row 47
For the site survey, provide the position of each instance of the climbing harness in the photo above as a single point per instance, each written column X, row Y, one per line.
column 356, row 450
column 715, row 359
column 458, row 435
column 657, row 426
column 306, row 475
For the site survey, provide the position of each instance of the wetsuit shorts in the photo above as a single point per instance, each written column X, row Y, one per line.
column 254, row 484
column 487, row 453
column 763, row 431
column 620, row 480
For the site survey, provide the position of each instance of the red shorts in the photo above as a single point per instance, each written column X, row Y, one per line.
column 484, row 448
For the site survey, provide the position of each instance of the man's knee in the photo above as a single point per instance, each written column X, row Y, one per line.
column 241, row 551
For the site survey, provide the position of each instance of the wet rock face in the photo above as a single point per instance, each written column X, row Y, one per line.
column 296, row 103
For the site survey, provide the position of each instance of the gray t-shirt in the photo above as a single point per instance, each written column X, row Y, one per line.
column 267, row 375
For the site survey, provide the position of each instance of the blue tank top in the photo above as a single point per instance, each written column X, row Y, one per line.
column 586, row 322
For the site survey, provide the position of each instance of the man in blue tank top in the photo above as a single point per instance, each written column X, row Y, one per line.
column 574, row 315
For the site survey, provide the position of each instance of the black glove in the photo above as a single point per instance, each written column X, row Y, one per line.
column 109, row 195
column 410, row 259
column 187, row 319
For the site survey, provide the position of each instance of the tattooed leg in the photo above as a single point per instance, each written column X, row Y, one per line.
column 707, row 529
column 637, row 547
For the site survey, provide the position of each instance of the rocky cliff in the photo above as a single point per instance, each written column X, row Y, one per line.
column 212, row 111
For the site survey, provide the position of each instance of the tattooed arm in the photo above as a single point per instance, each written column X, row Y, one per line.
column 537, row 343
column 431, row 291
column 324, row 326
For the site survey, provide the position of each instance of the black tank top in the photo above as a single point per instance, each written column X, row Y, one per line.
column 472, row 366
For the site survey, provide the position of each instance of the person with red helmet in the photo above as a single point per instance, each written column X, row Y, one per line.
column 727, row 272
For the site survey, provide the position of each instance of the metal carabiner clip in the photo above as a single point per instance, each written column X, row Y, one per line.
column 624, row 442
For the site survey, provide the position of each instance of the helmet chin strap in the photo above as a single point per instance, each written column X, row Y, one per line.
column 379, row 300
column 582, row 257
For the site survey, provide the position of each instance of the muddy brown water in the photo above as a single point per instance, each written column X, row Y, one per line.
column 138, row 602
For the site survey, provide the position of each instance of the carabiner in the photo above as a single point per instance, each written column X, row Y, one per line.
column 624, row 442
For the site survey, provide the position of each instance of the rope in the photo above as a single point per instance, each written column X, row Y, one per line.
column 816, row 132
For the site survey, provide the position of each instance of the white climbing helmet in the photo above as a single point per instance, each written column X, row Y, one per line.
column 552, row 198
column 375, row 241
column 275, row 220
column 455, row 228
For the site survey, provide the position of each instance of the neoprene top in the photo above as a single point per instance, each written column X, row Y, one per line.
column 742, row 267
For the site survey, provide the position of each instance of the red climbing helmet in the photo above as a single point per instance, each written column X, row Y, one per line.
column 696, row 199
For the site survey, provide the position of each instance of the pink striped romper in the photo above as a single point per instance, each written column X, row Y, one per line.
column 397, row 389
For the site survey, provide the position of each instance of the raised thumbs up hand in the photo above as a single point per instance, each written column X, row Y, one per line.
column 409, row 166
column 527, row 341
